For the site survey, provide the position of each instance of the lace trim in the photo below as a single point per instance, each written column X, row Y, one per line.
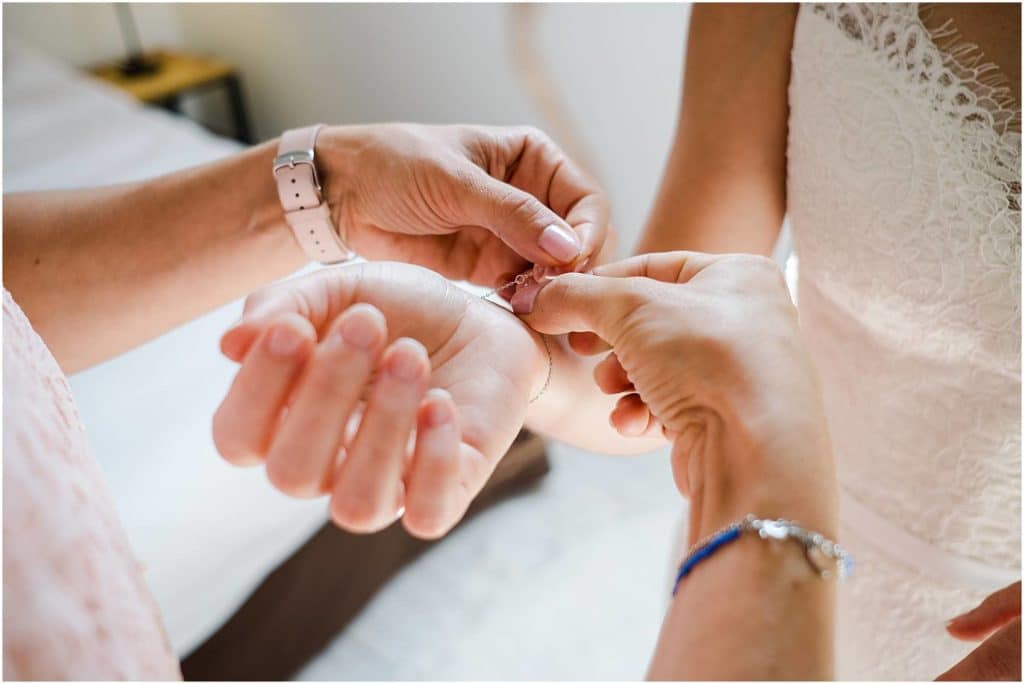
column 939, row 60
column 951, row 72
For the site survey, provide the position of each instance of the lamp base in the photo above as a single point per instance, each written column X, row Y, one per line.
column 138, row 65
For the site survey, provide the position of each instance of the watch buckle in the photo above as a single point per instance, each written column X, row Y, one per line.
column 290, row 159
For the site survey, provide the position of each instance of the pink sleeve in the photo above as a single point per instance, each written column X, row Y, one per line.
column 75, row 602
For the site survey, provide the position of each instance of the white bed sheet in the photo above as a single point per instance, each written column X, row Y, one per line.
column 205, row 532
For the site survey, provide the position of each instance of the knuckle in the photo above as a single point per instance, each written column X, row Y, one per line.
column 521, row 206
column 759, row 269
column 534, row 134
column 466, row 178
column 629, row 301
column 631, row 298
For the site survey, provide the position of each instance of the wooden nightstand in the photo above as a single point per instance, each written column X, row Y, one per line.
column 180, row 74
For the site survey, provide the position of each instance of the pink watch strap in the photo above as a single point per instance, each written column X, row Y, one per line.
column 299, row 190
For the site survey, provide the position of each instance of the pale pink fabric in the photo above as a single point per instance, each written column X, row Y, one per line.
column 75, row 602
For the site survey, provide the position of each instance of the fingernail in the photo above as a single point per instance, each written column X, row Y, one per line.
column 526, row 294
column 405, row 366
column 438, row 413
column 545, row 273
column 400, row 512
column 950, row 623
column 358, row 331
column 561, row 243
column 283, row 341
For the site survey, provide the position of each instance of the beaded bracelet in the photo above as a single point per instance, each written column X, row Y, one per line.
column 826, row 557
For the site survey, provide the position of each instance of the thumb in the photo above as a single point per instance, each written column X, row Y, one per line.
column 996, row 659
column 583, row 302
column 520, row 220
column 989, row 615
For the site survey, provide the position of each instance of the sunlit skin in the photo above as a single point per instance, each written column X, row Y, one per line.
column 99, row 271
column 702, row 349
column 349, row 329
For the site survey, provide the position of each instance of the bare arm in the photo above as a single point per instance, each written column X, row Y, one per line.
column 710, row 347
column 754, row 609
column 573, row 410
column 723, row 190
column 100, row 271
column 724, row 186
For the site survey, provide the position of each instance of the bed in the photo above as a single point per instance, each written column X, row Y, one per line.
column 588, row 545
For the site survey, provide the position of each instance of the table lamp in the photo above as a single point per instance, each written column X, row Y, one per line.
column 135, row 63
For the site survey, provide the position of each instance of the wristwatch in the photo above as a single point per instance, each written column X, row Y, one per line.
column 298, row 186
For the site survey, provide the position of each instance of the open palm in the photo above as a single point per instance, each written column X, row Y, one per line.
column 302, row 413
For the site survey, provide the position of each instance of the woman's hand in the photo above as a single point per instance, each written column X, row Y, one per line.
column 332, row 389
column 997, row 621
column 471, row 202
column 707, row 349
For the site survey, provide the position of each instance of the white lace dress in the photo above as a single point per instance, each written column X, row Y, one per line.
column 904, row 197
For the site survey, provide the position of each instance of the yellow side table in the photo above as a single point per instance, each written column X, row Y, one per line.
column 178, row 74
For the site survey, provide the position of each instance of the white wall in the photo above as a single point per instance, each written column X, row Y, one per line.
column 616, row 67
column 86, row 33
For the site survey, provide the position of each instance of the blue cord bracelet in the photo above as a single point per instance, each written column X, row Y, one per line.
column 826, row 557
column 715, row 542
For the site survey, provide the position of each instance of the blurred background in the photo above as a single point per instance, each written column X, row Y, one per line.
column 566, row 580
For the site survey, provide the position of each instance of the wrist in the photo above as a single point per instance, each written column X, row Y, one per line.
column 266, row 223
column 338, row 151
column 732, row 473
column 543, row 366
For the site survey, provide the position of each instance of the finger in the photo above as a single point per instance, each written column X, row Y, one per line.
column 261, row 308
column 995, row 659
column 589, row 218
column 631, row 417
column 467, row 252
column 236, row 342
column 363, row 498
column 580, row 302
column 544, row 170
column 431, row 502
column 995, row 611
column 519, row 219
column 611, row 377
column 246, row 419
column 669, row 267
column 304, row 449
column 587, row 343
column 318, row 297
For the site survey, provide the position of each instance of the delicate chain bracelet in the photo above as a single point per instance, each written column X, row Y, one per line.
column 826, row 557
column 520, row 280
